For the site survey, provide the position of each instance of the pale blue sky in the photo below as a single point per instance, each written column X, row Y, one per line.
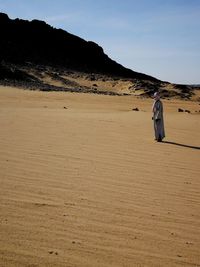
column 158, row 37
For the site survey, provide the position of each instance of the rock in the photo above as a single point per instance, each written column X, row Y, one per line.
column 180, row 110
column 135, row 109
column 65, row 50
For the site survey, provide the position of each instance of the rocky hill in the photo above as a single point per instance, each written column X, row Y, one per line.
column 35, row 55
column 39, row 43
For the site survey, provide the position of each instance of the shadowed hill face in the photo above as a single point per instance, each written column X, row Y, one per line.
column 36, row 42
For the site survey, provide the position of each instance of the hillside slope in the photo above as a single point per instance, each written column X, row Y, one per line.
column 35, row 41
column 35, row 55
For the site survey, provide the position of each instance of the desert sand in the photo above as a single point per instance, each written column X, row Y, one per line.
column 84, row 184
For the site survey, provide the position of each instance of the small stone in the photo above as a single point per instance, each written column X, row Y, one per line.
column 188, row 111
column 189, row 243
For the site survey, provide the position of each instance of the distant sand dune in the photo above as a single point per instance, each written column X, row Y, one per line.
column 86, row 185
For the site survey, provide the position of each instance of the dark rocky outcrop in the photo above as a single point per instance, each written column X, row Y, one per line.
column 36, row 42
column 11, row 73
column 34, row 55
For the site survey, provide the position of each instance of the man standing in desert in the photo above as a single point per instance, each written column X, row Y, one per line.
column 158, row 120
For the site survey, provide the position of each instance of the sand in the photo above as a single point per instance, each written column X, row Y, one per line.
column 84, row 184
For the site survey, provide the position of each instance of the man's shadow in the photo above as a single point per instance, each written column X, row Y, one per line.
column 177, row 144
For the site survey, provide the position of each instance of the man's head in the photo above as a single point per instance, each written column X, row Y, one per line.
column 156, row 95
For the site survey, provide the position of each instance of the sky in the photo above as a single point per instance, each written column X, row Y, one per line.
column 160, row 38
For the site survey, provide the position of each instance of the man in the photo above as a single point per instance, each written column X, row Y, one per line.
column 157, row 118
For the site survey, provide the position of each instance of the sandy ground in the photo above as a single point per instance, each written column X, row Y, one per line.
column 84, row 184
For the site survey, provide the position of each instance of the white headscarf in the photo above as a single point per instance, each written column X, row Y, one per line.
column 156, row 97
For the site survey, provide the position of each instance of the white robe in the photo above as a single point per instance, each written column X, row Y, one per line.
column 158, row 120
